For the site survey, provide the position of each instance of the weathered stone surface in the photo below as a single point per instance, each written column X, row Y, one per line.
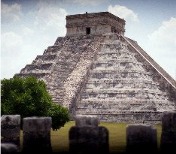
column 141, row 138
column 168, row 135
column 94, row 23
column 89, row 120
column 36, row 134
column 8, row 148
column 10, row 129
column 118, row 82
column 104, row 73
column 88, row 140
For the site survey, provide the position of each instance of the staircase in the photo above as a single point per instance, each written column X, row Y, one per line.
column 119, row 83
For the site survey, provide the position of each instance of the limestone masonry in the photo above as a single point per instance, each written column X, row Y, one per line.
column 96, row 70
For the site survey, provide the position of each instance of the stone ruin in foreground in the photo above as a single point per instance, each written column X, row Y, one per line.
column 96, row 70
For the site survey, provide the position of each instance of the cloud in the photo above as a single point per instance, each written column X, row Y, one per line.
column 88, row 2
column 50, row 17
column 10, row 12
column 25, row 41
column 27, row 31
column 10, row 40
column 11, row 52
column 162, row 43
column 17, row 51
column 165, row 34
column 123, row 12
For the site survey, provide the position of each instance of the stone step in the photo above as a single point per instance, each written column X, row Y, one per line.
column 44, row 58
column 45, row 66
column 119, row 70
column 122, row 101
column 85, row 111
column 36, row 74
column 124, row 90
column 57, row 99
column 60, row 41
column 115, row 62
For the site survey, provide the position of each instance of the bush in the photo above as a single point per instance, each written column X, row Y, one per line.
column 29, row 97
column 59, row 116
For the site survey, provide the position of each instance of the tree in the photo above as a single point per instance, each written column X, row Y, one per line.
column 29, row 97
column 59, row 115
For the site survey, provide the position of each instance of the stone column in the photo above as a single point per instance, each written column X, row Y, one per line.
column 10, row 129
column 87, row 137
column 81, row 120
column 141, row 138
column 168, row 135
column 36, row 134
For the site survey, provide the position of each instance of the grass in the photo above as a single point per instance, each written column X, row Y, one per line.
column 59, row 139
column 117, row 136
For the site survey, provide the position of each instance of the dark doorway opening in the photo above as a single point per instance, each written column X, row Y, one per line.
column 88, row 30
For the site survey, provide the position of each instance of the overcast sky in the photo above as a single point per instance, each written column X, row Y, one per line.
column 28, row 27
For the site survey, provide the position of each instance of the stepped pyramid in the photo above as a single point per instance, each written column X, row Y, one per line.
column 96, row 70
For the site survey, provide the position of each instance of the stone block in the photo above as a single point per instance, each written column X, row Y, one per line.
column 141, row 138
column 8, row 148
column 168, row 135
column 84, row 140
column 10, row 129
column 88, row 120
column 36, row 134
column 169, row 121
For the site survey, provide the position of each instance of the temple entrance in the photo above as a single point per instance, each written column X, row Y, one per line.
column 87, row 30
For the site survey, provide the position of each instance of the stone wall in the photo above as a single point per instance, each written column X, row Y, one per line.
column 165, row 81
column 118, row 82
column 103, row 73
column 88, row 137
column 100, row 23
column 10, row 129
column 64, row 66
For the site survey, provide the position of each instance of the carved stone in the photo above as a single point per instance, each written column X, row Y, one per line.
column 82, row 120
column 10, row 129
column 141, row 139
column 104, row 73
column 88, row 140
column 36, row 134
column 168, row 135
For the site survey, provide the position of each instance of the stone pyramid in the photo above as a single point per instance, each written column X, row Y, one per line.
column 96, row 70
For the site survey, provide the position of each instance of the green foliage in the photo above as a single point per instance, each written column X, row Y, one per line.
column 59, row 116
column 29, row 97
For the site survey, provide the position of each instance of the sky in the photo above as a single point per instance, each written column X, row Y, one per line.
column 28, row 27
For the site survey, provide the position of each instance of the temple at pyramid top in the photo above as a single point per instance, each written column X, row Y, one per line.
column 94, row 23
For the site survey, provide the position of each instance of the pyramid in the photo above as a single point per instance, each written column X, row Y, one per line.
column 96, row 70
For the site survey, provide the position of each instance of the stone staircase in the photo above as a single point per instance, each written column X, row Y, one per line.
column 160, row 70
column 96, row 70
column 64, row 66
column 119, row 83
column 104, row 75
